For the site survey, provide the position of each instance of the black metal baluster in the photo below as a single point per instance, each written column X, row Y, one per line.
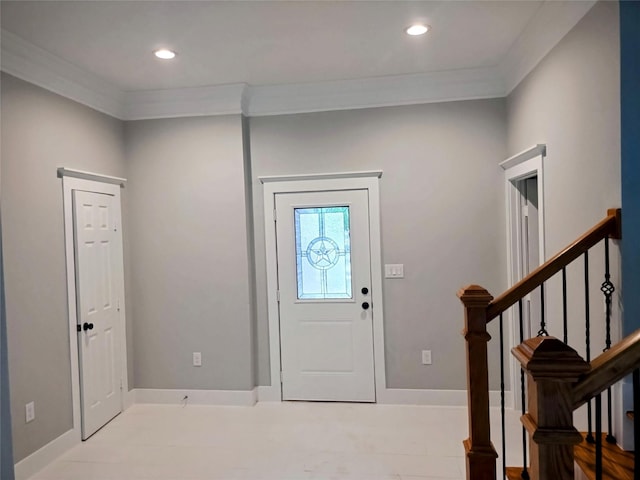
column 599, row 436
column 587, row 321
column 636, row 423
column 525, row 473
column 543, row 326
column 565, row 327
column 502, row 419
column 607, row 289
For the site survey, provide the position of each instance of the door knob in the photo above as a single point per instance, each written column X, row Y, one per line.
column 365, row 305
column 364, row 290
column 87, row 326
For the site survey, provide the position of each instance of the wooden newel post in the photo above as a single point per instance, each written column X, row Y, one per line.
column 552, row 368
column 480, row 453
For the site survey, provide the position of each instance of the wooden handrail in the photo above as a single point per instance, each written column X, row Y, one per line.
column 609, row 227
column 608, row 368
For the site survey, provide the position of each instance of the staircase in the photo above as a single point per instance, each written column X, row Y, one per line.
column 558, row 379
column 616, row 463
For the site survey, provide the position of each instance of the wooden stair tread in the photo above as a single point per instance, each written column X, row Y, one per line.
column 514, row 473
column 616, row 463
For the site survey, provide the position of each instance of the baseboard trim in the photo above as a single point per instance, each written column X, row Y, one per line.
column 453, row 398
column 129, row 399
column 269, row 393
column 196, row 397
column 39, row 459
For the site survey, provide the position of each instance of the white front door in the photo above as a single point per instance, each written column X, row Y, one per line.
column 324, row 278
column 98, row 249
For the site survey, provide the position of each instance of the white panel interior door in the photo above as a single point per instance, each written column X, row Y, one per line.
column 98, row 254
column 324, row 277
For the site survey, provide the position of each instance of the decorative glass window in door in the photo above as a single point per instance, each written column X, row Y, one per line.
column 323, row 253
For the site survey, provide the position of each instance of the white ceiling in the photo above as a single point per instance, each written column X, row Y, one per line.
column 275, row 43
column 266, row 43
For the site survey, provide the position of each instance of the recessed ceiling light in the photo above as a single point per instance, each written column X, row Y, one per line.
column 164, row 54
column 417, row 30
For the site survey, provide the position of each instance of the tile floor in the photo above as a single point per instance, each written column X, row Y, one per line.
column 273, row 441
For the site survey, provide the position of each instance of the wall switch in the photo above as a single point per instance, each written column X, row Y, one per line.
column 426, row 357
column 197, row 359
column 395, row 270
column 30, row 411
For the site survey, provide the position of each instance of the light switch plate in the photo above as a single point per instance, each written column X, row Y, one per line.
column 394, row 270
column 426, row 357
column 197, row 359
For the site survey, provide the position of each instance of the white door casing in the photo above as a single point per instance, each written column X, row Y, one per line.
column 96, row 254
column 73, row 180
column 326, row 343
column 526, row 164
column 367, row 181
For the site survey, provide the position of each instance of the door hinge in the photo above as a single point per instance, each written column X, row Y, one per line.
column 275, row 215
column 281, row 377
column 278, row 295
column 525, row 211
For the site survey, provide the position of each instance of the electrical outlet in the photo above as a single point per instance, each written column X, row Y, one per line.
column 197, row 359
column 30, row 411
column 426, row 357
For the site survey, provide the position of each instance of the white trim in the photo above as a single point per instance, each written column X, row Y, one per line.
column 129, row 398
column 321, row 182
column 96, row 177
column 452, row 398
column 29, row 466
column 525, row 164
column 269, row 393
column 550, row 24
column 70, row 183
column 40, row 67
column 539, row 149
column 185, row 102
column 622, row 402
column 321, row 176
column 44, row 69
column 196, row 397
column 386, row 91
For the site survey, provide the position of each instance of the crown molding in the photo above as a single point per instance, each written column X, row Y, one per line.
column 376, row 92
column 550, row 24
column 185, row 102
column 44, row 69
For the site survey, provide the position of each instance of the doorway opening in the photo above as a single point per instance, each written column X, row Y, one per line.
column 524, row 201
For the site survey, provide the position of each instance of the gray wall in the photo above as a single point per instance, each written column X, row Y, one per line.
column 188, row 238
column 442, row 215
column 40, row 132
column 571, row 102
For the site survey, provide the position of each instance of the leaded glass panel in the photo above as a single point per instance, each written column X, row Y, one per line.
column 323, row 253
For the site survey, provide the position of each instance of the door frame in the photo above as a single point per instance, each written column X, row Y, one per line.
column 526, row 164
column 316, row 183
column 91, row 182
